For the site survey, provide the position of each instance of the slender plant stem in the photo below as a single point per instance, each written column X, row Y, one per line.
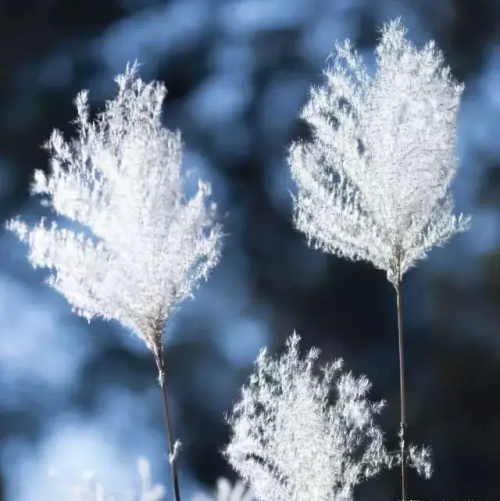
column 404, row 477
column 160, row 362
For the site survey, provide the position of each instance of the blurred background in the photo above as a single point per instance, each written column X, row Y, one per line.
column 75, row 396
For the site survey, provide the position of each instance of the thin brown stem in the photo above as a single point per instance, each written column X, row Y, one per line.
column 404, row 477
column 160, row 363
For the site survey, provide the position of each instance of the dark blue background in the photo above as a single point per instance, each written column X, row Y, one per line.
column 80, row 396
